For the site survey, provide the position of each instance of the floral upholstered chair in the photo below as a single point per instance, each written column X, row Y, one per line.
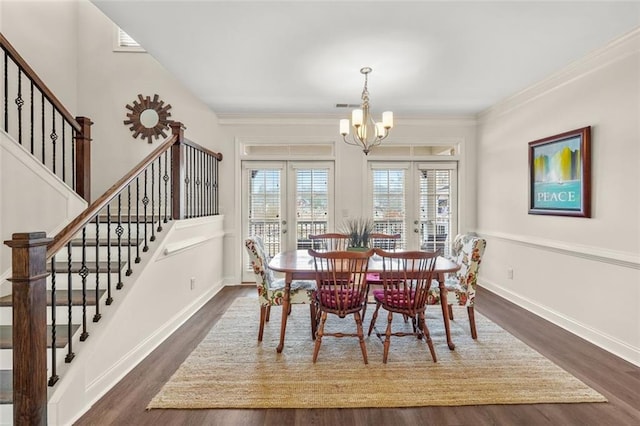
column 271, row 289
column 467, row 251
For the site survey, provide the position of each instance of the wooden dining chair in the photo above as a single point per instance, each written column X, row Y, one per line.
column 406, row 280
column 386, row 242
column 466, row 251
column 341, row 280
column 331, row 241
column 271, row 289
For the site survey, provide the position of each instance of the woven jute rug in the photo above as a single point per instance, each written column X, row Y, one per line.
column 230, row 369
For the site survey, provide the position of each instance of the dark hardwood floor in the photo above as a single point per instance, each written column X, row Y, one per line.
column 615, row 378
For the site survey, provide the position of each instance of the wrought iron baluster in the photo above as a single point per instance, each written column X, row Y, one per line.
column 153, row 198
column 42, row 125
column 196, row 183
column 54, row 363
column 109, row 298
column 166, row 187
column 53, row 136
column 64, row 150
column 73, row 158
column 129, row 270
column 187, row 177
column 32, row 123
column 207, row 184
column 201, row 157
column 145, row 202
column 212, row 186
column 137, row 219
column 19, row 103
column 70, row 355
column 193, row 182
column 160, row 194
column 6, row 92
column 84, row 272
column 97, row 315
column 119, row 232
column 215, row 186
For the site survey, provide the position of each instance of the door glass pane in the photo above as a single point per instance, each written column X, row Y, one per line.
column 312, row 204
column 435, row 209
column 265, row 207
column 389, row 210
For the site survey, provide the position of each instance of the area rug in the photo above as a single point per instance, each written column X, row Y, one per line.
column 231, row 369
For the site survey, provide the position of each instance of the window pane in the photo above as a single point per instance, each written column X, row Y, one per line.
column 264, row 207
column 389, row 211
column 312, row 204
column 435, row 209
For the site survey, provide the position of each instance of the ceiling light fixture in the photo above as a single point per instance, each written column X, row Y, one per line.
column 367, row 133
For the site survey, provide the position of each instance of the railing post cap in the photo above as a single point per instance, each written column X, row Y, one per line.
column 28, row 239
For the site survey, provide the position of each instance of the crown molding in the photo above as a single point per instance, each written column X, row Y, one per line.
column 619, row 49
column 270, row 119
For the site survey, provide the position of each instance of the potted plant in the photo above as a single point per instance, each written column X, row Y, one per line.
column 359, row 231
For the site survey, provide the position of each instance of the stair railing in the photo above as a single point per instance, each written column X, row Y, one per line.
column 177, row 180
column 39, row 122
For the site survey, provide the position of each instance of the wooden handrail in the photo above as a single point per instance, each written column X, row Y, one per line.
column 67, row 233
column 217, row 155
column 22, row 64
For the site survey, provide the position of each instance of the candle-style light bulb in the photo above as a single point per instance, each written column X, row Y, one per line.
column 356, row 117
column 344, row 127
column 387, row 119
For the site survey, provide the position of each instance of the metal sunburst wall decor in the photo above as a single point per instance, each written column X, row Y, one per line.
column 148, row 117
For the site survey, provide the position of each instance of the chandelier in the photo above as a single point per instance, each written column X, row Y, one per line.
column 366, row 132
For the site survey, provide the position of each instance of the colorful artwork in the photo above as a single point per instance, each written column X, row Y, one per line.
column 559, row 174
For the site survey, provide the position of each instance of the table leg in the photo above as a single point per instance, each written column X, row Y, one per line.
column 285, row 309
column 445, row 310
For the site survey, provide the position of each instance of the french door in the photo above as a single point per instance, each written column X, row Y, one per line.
column 283, row 202
column 417, row 200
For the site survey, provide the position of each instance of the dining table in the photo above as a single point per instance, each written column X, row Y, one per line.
column 299, row 265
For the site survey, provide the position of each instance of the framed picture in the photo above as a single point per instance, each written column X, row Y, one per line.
column 560, row 174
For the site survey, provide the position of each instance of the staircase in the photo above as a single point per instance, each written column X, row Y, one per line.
column 72, row 316
column 92, row 258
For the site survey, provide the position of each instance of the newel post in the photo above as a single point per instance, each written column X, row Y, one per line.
column 83, row 158
column 29, row 260
column 178, row 171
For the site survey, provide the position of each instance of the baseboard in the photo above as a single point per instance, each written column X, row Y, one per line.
column 606, row 342
column 109, row 378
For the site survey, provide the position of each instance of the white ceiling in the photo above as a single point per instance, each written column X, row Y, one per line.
column 428, row 57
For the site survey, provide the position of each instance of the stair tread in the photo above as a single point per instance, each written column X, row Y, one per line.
column 6, row 387
column 62, row 297
column 62, row 336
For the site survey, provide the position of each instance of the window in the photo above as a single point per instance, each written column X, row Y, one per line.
column 124, row 43
column 388, row 197
column 417, row 201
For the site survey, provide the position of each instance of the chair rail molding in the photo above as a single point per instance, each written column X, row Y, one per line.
column 596, row 254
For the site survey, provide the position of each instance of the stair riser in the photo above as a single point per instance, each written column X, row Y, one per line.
column 6, row 414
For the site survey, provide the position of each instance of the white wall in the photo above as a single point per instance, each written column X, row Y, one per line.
column 108, row 81
column 69, row 43
column 44, row 32
column 154, row 302
column 583, row 274
column 48, row 206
